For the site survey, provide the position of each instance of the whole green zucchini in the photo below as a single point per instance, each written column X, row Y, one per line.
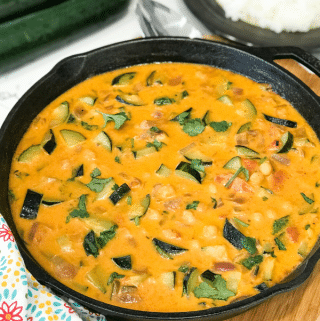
column 22, row 36
column 14, row 8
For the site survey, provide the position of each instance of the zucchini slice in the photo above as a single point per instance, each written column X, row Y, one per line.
column 245, row 127
column 164, row 171
column 185, row 170
column 225, row 99
column 208, row 277
column 107, row 190
column 78, row 172
column 287, row 142
column 280, row 121
column 234, row 163
column 246, row 151
column 97, row 277
column 98, row 225
column 119, row 193
column 51, row 144
column 123, row 262
column 60, row 114
column 123, row 79
column 50, row 202
column 144, row 152
column 303, row 249
column 196, row 154
column 31, row 205
column 139, row 210
column 31, row 153
column 169, row 279
column 89, row 100
column 249, row 109
column 190, row 281
column 206, row 118
column 182, row 116
column 130, row 99
column 151, row 79
column 102, row 139
column 232, row 235
column 72, row 137
column 166, row 249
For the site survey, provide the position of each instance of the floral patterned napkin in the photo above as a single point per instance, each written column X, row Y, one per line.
column 23, row 298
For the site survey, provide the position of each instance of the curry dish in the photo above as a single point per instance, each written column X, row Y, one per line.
column 168, row 187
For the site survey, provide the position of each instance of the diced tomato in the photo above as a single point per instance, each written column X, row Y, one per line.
column 175, row 81
column 250, row 164
column 293, row 234
column 276, row 180
column 223, row 266
column 238, row 185
column 237, row 91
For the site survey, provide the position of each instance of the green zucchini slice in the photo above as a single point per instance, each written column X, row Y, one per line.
column 89, row 100
column 164, row 171
column 50, row 202
column 169, row 279
column 280, row 121
column 140, row 209
column 123, row 262
column 98, row 225
column 245, row 127
column 167, row 249
column 60, row 114
column 151, row 79
column 31, row 153
column 72, row 137
column 78, row 172
column 196, row 154
column 51, row 144
column 119, row 193
column 31, row 205
column 206, row 118
column 144, row 152
column 234, row 163
column 232, row 235
column 123, row 79
column 208, row 277
column 250, row 110
column 190, row 281
column 225, row 99
column 107, row 190
column 102, row 139
column 131, row 100
column 185, row 170
column 246, row 151
column 287, row 142
column 97, row 277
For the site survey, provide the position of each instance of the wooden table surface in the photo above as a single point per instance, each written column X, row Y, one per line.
column 302, row 304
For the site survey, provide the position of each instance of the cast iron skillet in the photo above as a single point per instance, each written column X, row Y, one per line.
column 211, row 14
column 255, row 63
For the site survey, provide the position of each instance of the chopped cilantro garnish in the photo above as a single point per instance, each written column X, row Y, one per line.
column 262, row 160
column 216, row 291
column 81, row 211
column 307, row 199
column 96, row 172
column 193, row 205
column 221, row 126
column 183, row 268
column 249, row 243
column 155, row 129
column 71, row 119
column 156, row 144
column 119, row 119
column 184, row 94
column 132, row 142
column 11, row 196
column 280, row 245
column 240, row 222
column 115, row 187
column 114, row 276
column 136, row 220
column 193, row 127
column 307, row 227
column 251, row 261
column 88, row 126
column 117, row 159
column 215, row 203
column 234, row 176
column 97, row 184
column 279, row 224
column 197, row 165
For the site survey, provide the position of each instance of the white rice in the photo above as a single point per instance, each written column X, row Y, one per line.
column 276, row 15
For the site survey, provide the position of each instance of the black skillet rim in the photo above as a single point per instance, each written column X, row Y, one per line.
column 66, row 68
column 212, row 15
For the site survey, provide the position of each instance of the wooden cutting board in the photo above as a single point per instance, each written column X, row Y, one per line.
column 302, row 304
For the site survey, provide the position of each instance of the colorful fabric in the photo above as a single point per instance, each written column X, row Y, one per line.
column 23, row 298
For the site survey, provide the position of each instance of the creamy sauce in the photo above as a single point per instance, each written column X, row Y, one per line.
column 249, row 222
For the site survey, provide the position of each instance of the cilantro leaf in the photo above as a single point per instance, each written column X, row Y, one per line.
column 88, row 126
column 197, row 165
column 218, row 290
column 234, row 176
column 117, row 159
column 106, row 236
column 163, row 101
column 307, row 199
column 193, row 127
column 183, row 268
column 155, row 129
column 251, row 261
column 113, row 276
column 184, row 94
column 119, row 119
column 96, row 172
column 183, row 117
column 249, row 243
column 280, row 245
column 98, row 184
column 156, row 144
column 221, row 126
column 71, row 119
column 11, row 196
column 215, row 203
column 279, row 224
column 81, row 212
column 193, row 205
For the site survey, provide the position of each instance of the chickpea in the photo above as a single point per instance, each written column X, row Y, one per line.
column 256, row 178
column 188, row 217
column 212, row 189
column 266, row 168
column 209, row 232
